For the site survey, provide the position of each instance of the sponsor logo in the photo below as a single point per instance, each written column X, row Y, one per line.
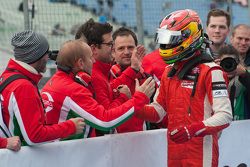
column 47, row 101
column 186, row 84
column 220, row 93
column 219, row 86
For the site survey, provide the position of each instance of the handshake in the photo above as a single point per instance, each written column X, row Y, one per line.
column 148, row 88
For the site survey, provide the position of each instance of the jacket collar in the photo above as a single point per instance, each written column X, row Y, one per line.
column 25, row 69
column 63, row 73
column 104, row 67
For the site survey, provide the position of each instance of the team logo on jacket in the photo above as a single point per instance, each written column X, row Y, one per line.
column 47, row 101
column 219, row 89
column 187, row 84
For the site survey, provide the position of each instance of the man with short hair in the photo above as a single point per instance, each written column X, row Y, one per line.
column 68, row 94
column 240, row 39
column 218, row 28
column 125, row 44
column 99, row 38
column 239, row 82
column 22, row 108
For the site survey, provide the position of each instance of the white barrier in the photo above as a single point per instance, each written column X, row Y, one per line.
column 235, row 144
column 138, row 149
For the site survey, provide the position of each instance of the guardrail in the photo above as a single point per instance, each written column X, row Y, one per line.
column 137, row 149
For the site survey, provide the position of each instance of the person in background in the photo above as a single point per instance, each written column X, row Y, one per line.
column 193, row 93
column 22, row 108
column 67, row 93
column 239, row 81
column 218, row 28
column 12, row 143
column 240, row 40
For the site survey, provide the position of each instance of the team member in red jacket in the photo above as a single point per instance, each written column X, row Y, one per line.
column 124, row 49
column 12, row 143
column 192, row 93
column 154, row 65
column 65, row 97
column 99, row 38
column 23, row 111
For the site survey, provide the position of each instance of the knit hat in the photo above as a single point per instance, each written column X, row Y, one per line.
column 29, row 46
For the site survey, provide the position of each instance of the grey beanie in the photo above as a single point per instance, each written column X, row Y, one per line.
column 29, row 46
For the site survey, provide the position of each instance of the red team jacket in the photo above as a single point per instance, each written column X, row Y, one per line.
column 154, row 65
column 105, row 94
column 3, row 142
column 134, row 124
column 23, row 111
column 65, row 98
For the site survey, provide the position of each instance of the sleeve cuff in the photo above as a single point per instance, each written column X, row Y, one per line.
column 3, row 142
column 140, row 100
column 123, row 97
column 130, row 72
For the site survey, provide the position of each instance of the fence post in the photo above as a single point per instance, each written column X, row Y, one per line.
column 249, row 10
column 26, row 15
column 139, row 22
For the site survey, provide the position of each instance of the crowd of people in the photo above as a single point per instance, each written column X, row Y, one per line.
column 194, row 85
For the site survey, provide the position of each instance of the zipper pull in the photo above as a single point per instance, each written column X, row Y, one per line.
column 189, row 111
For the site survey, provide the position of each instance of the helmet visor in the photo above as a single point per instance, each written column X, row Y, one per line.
column 168, row 37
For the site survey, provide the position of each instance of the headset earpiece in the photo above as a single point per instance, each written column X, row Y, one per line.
column 83, row 78
column 116, row 70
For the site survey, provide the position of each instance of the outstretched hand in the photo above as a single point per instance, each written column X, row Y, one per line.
column 148, row 87
column 125, row 90
column 137, row 56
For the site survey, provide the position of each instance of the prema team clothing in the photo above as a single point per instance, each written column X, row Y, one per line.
column 3, row 142
column 134, row 124
column 65, row 98
column 210, row 104
column 105, row 92
column 23, row 110
column 154, row 65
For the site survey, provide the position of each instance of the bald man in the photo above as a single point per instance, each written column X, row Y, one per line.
column 66, row 94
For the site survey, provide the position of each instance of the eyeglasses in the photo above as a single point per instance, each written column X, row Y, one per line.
column 109, row 44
